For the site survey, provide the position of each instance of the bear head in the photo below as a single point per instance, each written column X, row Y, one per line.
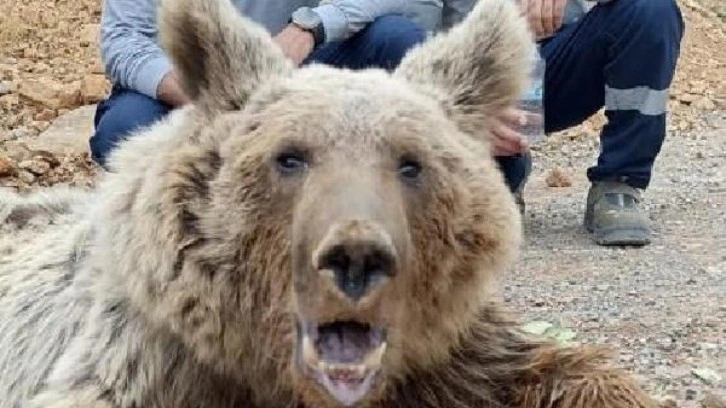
column 319, row 231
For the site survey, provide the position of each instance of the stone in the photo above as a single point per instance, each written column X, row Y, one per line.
column 8, row 70
column 7, row 166
column 668, row 402
column 8, row 102
column 5, row 88
column 68, row 134
column 687, row 98
column 704, row 103
column 96, row 66
column 35, row 166
column 47, row 157
column 26, row 176
column 30, row 53
column 50, row 93
column 558, row 178
column 713, row 401
column 90, row 35
column 94, row 88
column 45, row 115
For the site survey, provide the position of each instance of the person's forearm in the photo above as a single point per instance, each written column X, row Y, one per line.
column 343, row 18
column 131, row 56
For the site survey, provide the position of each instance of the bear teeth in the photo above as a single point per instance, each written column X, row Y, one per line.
column 375, row 358
column 344, row 372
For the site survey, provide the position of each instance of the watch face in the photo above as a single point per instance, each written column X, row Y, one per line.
column 306, row 18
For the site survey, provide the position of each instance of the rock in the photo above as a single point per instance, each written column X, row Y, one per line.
column 26, row 176
column 704, row 104
column 558, row 178
column 50, row 93
column 68, row 134
column 687, row 98
column 8, row 70
column 96, row 67
column 30, row 53
column 20, row 133
column 8, row 102
column 18, row 151
column 706, row 375
column 47, row 157
column 7, row 166
column 713, row 401
column 668, row 402
column 45, row 115
column 90, row 35
column 37, row 167
column 5, row 88
column 94, row 88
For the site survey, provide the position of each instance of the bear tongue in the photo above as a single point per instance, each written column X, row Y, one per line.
column 347, row 343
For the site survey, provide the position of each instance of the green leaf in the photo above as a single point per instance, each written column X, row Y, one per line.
column 707, row 375
column 561, row 335
column 537, row 327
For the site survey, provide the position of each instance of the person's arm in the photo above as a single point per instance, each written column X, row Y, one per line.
column 340, row 19
column 454, row 11
column 343, row 18
column 131, row 55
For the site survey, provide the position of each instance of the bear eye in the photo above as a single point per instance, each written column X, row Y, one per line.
column 291, row 162
column 409, row 169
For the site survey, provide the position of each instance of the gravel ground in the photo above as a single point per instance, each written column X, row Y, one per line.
column 662, row 307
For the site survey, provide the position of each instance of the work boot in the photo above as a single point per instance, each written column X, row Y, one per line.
column 614, row 215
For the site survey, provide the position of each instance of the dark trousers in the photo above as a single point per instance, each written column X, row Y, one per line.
column 382, row 44
column 622, row 56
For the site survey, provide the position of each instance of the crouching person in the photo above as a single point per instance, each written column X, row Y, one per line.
column 620, row 55
column 353, row 34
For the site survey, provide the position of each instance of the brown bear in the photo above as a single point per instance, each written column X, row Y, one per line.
column 307, row 237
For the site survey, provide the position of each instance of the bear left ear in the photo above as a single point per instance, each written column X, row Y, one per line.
column 220, row 56
column 479, row 67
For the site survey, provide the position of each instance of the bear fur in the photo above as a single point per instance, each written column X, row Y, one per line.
column 183, row 279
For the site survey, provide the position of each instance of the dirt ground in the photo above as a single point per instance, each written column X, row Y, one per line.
column 663, row 307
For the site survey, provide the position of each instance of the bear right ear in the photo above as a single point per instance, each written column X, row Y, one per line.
column 479, row 67
column 220, row 56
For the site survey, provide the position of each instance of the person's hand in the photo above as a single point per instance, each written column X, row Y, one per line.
column 296, row 43
column 506, row 141
column 544, row 16
column 170, row 91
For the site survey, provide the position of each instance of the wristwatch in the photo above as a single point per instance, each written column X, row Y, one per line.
column 310, row 21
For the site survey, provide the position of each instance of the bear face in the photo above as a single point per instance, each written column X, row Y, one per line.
column 323, row 231
column 388, row 220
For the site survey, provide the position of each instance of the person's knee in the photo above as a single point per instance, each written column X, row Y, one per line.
column 123, row 115
column 659, row 18
column 516, row 170
column 392, row 36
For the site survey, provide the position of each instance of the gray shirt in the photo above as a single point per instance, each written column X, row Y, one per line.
column 134, row 60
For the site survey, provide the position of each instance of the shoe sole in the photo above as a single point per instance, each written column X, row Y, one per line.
column 622, row 237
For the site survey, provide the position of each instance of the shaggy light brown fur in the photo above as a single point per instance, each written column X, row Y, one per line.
column 182, row 281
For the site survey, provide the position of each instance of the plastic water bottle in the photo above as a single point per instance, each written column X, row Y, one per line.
column 532, row 102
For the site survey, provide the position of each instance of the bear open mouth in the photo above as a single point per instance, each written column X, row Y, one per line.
column 344, row 357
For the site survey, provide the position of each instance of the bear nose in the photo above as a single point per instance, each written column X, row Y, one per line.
column 357, row 261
